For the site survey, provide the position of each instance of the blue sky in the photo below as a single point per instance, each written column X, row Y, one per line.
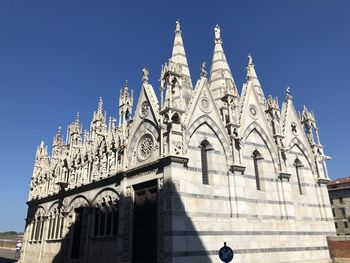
column 58, row 57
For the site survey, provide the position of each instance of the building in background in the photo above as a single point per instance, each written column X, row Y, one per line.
column 339, row 194
column 179, row 176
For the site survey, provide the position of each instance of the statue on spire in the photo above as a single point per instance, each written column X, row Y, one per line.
column 145, row 74
column 217, row 32
column 288, row 94
column 203, row 69
column 177, row 28
column 250, row 60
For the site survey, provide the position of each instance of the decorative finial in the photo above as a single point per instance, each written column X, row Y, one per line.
column 100, row 106
column 59, row 130
column 203, row 69
column 217, row 32
column 126, row 84
column 288, row 95
column 85, row 135
column 177, row 28
column 145, row 74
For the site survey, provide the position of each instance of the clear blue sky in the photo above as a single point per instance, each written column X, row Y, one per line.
column 58, row 57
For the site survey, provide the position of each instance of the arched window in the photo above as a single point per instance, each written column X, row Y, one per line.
column 55, row 224
column 204, row 160
column 256, row 157
column 298, row 165
column 175, row 119
column 106, row 218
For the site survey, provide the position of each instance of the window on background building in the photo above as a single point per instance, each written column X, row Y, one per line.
column 346, row 224
column 336, row 225
column 256, row 157
column 343, row 211
column 341, row 200
column 331, row 199
column 333, row 212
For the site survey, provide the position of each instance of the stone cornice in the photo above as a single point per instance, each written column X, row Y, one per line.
column 284, row 176
column 323, row 180
column 237, row 168
column 64, row 193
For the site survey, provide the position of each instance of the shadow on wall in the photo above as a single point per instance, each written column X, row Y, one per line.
column 148, row 225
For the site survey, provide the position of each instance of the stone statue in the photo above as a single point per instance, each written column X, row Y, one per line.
column 95, row 168
column 104, row 165
column 111, row 163
column 217, row 31
column 145, row 74
column 203, row 70
column 178, row 25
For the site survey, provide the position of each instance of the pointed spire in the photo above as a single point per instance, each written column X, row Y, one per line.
column 178, row 54
column 253, row 79
column 126, row 85
column 86, row 136
column 221, row 80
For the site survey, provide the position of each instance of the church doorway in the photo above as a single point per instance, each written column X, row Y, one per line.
column 145, row 228
column 79, row 233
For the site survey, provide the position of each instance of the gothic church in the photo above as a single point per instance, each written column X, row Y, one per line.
column 174, row 179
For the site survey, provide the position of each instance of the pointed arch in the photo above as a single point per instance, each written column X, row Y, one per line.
column 55, row 205
column 254, row 126
column 303, row 149
column 206, row 120
column 75, row 202
column 105, row 190
column 256, row 157
column 150, row 128
column 41, row 209
column 297, row 164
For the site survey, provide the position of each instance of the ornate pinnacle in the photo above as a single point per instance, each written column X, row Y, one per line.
column 85, row 136
column 77, row 119
column 126, row 85
column 100, row 106
column 59, row 130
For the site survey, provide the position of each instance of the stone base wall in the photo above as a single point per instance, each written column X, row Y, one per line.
column 8, row 244
column 339, row 248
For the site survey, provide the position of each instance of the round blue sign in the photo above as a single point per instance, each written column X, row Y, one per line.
column 226, row 253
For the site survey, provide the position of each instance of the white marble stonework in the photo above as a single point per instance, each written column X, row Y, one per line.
column 214, row 164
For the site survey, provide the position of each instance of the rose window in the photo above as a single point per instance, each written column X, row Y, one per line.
column 145, row 147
